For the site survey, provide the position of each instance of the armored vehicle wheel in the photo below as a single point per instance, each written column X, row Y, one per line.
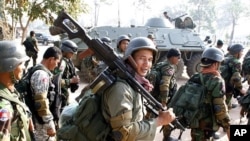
column 193, row 65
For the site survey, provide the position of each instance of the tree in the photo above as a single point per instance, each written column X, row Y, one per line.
column 26, row 11
column 203, row 14
column 233, row 11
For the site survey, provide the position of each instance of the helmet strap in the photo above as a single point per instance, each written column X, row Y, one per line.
column 13, row 78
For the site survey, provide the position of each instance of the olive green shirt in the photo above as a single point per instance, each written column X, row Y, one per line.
column 119, row 100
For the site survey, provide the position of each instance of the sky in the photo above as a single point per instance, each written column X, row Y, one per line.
column 128, row 14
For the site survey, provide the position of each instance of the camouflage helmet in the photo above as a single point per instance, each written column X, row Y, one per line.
column 106, row 40
column 236, row 48
column 210, row 55
column 139, row 43
column 69, row 46
column 11, row 56
column 120, row 38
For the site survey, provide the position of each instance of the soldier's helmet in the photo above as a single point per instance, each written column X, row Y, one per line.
column 11, row 56
column 140, row 43
column 69, row 46
column 120, row 38
column 211, row 55
column 106, row 40
column 236, row 48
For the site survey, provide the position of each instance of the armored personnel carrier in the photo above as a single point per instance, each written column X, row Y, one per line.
column 180, row 35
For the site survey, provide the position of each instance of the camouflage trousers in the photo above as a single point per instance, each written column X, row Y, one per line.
column 33, row 55
column 41, row 133
column 229, row 97
column 198, row 134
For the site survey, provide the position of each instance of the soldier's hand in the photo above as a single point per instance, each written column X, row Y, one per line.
column 165, row 117
column 75, row 79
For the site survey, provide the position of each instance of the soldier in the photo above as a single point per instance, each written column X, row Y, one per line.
column 69, row 77
column 32, row 53
column 219, row 44
column 123, row 104
column 168, row 83
column 13, row 112
column 234, row 84
column 152, row 37
column 122, row 43
column 93, row 65
column 210, row 63
column 165, row 14
column 41, row 85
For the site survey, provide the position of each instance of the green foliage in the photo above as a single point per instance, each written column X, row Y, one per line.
column 26, row 11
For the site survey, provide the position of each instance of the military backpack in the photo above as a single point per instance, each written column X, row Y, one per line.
column 23, row 86
column 84, row 121
column 189, row 102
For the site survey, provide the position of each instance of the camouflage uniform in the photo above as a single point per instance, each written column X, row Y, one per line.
column 168, row 87
column 67, row 69
column 235, row 80
column 13, row 115
column 40, row 83
column 217, row 113
column 168, row 83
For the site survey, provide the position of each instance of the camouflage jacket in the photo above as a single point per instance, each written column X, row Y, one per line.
column 216, row 111
column 168, row 83
column 235, row 68
column 14, row 117
column 67, row 68
column 41, row 83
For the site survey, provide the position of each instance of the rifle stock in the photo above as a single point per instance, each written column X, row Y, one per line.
column 116, row 65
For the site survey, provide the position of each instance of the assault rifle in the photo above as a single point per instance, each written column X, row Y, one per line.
column 116, row 65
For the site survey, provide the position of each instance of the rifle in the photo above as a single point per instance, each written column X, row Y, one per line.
column 116, row 65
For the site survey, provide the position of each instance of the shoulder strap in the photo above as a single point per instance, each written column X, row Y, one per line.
column 8, row 96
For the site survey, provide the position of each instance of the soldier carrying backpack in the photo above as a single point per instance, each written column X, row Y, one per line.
column 117, row 112
column 200, row 102
column 31, row 48
column 231, row 72
column 41, row 98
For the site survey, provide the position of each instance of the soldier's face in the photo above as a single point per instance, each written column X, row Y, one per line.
column 143, row 59
column 123, row 45
column 53, row 63
column 18, row 72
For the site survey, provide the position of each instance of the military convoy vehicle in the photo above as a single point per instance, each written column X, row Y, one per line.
column 179, row 35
